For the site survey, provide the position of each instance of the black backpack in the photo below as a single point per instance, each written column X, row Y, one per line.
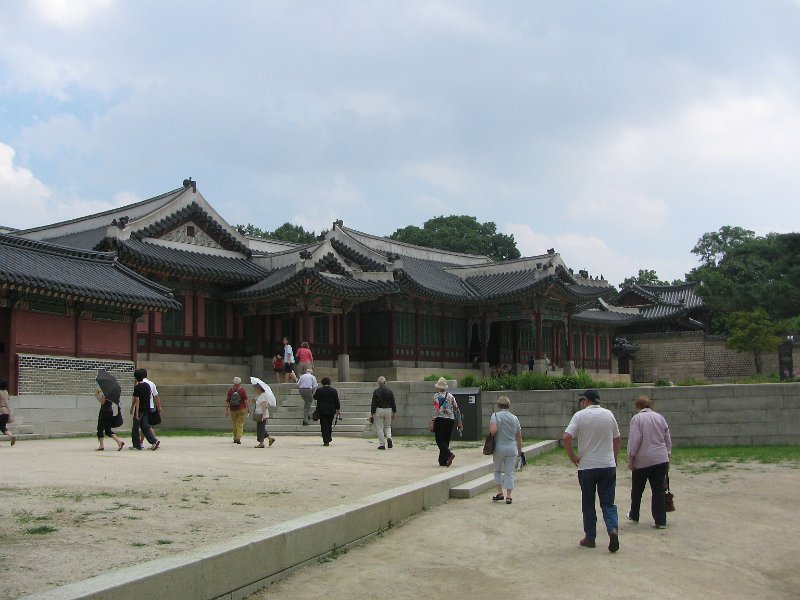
column 235, row 400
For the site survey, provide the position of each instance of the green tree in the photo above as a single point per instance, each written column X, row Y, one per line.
column 460, row 233
column 758, row 273
column 713, row 246
column 286, row 232
column 645, row 277
column 752, row 331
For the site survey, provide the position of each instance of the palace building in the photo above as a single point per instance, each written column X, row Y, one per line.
column 169, row 279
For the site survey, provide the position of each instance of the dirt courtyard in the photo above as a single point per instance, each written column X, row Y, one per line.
column 69, row 513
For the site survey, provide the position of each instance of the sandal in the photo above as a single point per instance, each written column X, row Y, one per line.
column 508, row 500
column 121, row 446
column 497, row 498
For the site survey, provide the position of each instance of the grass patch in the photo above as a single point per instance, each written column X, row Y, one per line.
column 40, row 530
column 163, row 542
column 138, row 544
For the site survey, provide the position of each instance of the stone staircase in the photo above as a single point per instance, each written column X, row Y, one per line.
column 176, row 373
column 203, row 407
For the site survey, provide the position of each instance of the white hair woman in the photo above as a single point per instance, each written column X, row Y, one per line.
column 507, row 432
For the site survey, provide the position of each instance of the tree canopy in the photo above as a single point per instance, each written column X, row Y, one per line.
column 460, row 233
column 286, row 233
column 645, row 277
column 752, row 273
column 752, row 331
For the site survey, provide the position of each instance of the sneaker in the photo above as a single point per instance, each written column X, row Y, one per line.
column 631, row 519
column 659, row 526
column 305, row 423
column 326, row 444
column 587, row 543
column 271, row 441
column 135, row 448
column 389, row 442
column 237, row 441
column 156, row 445
column 381, row 447
column 613, row 542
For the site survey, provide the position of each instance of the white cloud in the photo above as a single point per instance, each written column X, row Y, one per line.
column 21, row 194
column 69, row 13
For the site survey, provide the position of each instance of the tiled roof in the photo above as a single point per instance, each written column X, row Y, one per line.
column 97, row 276
column 665, row 303
column 430, row 278
column 84, row 240
column 288, row 280
column 210, row 267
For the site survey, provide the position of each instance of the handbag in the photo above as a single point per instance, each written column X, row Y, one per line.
column 155, row 417
column 488, row 444
column 116, row 419
column 670, row 498
column 256, row 417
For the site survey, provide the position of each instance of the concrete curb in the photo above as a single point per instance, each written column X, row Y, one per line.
column 239, row 567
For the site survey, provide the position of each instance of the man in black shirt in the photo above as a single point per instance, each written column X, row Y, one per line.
column 141, row 407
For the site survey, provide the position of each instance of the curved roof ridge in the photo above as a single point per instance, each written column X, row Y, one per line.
column 51, row 248
column 403, row 247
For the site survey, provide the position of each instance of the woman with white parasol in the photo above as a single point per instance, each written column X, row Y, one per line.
column 264, row 400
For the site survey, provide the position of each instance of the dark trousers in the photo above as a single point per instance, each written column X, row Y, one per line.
column 442, row 430
column 104, row 423
column 261, row 431
column 657, row 476
column 603, row 482
column 326, row 426
column 143, row 423
column 4, row 424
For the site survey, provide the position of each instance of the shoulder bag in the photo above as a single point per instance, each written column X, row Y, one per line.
column 488, row 444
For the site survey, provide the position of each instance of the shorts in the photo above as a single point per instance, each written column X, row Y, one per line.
column 288, row 368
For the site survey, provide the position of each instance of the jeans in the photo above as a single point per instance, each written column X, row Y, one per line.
column 383, row 424
column 143, row 423
column 505, row 458
column 307, row 394
column 237, row 421
column 603, row 482
column 656, row 475
column 442, row 430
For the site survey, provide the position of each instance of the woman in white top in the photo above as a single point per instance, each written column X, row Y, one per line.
column 261, row 413
column 507, row 432
column 5, row 410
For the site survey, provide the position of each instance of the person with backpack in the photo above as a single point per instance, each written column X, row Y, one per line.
column 236, row 408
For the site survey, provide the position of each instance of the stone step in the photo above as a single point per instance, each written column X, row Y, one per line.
column 473, row 487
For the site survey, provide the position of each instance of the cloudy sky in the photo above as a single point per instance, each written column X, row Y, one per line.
column 616, row 132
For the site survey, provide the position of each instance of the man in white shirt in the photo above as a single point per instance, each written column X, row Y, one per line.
column 307, row 385
column 598, row 446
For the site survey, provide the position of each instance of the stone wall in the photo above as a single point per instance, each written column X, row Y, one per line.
column 707, row 415
column 693, row 355
column 65, row 375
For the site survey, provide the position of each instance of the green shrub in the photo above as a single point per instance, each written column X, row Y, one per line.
column 435, row 377
column 662, row 383
column 469, row 381
column 691, row 381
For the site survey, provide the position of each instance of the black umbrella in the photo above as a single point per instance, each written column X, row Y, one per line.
column 109, row 386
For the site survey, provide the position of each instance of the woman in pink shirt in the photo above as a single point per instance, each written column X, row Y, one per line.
column 304, row 358
column 649, row 451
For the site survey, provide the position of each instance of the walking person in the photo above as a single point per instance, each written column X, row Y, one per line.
column 598, row 446
column 328, row 409
column 507, row 432
column 261, row 406
column 142, row 405
column 305, row 359
column 649, row 451
column 445, row 414
column 236, row 408
column 288, row 361
column 307, row 385
column 5, row 410
column 277, row 366
column 104, row 418
column 382, row 412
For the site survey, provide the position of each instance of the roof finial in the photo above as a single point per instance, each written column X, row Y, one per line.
column 189, row 182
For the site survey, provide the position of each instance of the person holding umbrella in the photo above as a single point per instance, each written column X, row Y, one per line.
column 262, row 403
column 107, row 393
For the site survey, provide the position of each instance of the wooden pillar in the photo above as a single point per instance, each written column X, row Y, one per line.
column 441, row 337
column 539, row 346
column 515, row 348
column 151, row 331
column 484, row 339
column 392, row 350
column 568, row 333
column 134, row 336
column 12, row 365
column 416, row 336
column 78, row 341
column 195, row 323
